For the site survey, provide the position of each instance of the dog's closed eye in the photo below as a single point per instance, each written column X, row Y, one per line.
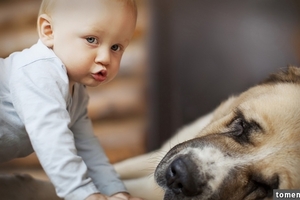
column 241, row 129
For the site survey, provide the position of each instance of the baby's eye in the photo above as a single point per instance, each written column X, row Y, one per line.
column 115, row 47
column 92, row 40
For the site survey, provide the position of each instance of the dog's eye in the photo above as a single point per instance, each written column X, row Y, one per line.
column 240, row 130
column 240, row 127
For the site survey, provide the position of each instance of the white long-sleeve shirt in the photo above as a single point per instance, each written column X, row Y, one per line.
column 37, row 113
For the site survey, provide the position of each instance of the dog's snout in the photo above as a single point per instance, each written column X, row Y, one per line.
column 181, row 179
column 175, row 176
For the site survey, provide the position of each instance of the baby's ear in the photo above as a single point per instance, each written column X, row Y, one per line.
column 45, row 30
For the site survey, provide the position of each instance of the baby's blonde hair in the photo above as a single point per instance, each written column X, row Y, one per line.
column 48, row 5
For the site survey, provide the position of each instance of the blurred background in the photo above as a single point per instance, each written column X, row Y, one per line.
column 185, row 58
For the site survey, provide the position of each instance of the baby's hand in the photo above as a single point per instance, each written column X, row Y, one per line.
column 123, row 196
column 97, row 196
column 118, row 196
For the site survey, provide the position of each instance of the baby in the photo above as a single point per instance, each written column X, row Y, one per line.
column 43, row 98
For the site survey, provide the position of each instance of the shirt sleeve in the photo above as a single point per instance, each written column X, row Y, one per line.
column 39, row 92
column 99, row 169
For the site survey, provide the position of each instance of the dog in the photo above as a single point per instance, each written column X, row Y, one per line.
column 243, row 150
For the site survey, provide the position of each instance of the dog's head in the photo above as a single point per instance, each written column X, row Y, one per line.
column 251, row 147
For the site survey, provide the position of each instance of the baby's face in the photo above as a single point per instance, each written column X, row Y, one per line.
column 90, row 38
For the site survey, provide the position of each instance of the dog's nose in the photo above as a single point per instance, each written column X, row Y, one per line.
column 181, row 178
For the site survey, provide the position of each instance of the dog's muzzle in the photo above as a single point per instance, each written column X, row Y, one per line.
column 181, row 179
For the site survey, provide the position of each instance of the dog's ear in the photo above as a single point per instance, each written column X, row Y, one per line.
column 291, row 74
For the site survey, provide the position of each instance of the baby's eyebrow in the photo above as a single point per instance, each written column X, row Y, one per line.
column 92, row 28
column 125, row 43
column 95, row 29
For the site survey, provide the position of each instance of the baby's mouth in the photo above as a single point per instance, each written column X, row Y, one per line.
column 100, row 76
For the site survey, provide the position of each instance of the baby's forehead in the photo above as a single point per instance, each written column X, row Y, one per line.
column 66, row 8
column 51, row 6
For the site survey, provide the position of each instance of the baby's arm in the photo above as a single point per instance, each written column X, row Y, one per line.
column 39, row 94
column 100, row 170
